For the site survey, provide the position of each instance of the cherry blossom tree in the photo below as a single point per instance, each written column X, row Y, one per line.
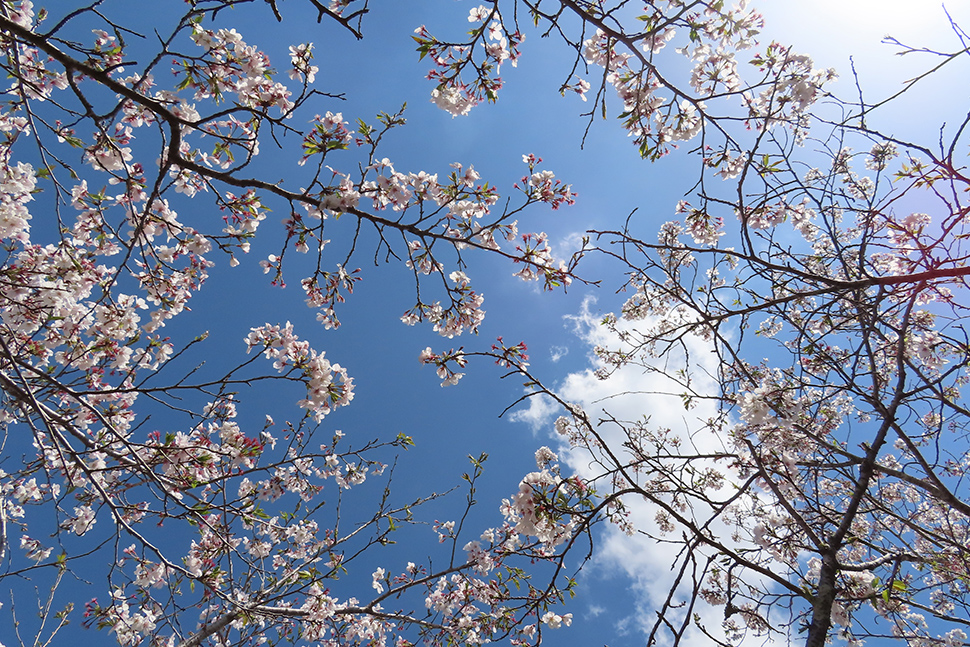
column 835, row 491
column 818, row 489
column 130, row 171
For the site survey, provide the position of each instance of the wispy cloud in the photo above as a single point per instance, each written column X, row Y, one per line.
column 595, row 610
column 556, row 353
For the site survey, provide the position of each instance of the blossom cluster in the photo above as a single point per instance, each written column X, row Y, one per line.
column 455, row 93
column 444, row 361
column 462, row 205
column 328, row 385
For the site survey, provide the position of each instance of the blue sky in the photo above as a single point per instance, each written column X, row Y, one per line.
column 394, row 393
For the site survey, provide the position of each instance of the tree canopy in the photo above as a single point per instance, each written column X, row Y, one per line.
column 775, row 403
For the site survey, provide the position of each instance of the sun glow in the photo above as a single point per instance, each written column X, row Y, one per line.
column 868, row 36
column 837, row 29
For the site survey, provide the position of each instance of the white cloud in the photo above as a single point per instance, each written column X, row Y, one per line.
column 537, row 415
column 633, row 393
